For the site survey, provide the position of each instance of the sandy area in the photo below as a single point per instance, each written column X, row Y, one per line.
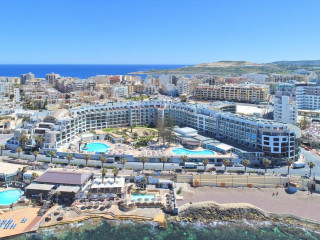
column 300, row 204
column 17, row 216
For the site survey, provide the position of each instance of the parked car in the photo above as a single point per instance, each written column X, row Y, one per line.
column 212, row 169
column 218, row 164
column 28, row 153
column 62, row 157
column 238, row 165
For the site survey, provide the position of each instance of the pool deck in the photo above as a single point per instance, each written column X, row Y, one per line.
column 17, row 215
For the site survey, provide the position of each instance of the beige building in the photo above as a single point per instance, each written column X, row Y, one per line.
column 230, row 92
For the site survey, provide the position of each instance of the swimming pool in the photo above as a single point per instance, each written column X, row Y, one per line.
column 144, row 197
column 95, row 147
column 183, row 151
column 9, row 196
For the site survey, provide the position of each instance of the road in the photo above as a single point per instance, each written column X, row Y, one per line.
column 308, row 156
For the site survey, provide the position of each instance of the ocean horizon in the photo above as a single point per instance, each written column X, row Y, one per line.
column 80, row 70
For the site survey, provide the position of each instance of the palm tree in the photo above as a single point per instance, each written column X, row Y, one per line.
column 266, row 163
column 103, row 173
column 115, row 171
column 39, row 140
column 52, row 154
column 184, row 159
column 80, row 143
column 69, row 157
column 226, row 162
column 103, row 160
column 246, row 163
column 205, row 163
column 289, row 163
column 86, row 158
column 123, row 161
column 23, row 140
column 35, row 154
column 143, row 159
column 164, row 160
column 311, row 165
column 2, row 148
column 58, row 193
column 19, row 150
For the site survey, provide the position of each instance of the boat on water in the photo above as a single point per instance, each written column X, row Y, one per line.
column 293, row 187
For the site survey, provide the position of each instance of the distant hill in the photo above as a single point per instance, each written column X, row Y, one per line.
column 300, row 63
column 227, row 68
column 227, row 64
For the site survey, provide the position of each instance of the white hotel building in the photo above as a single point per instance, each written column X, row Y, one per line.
column 278, row 141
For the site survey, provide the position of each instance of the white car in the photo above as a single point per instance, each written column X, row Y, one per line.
column 238, row 165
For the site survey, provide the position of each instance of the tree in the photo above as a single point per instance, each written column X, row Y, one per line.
column 115, row 171
column 23, row 140
column 164, row 160
column 39, row 140
column 2, row 148
column 143, row 159
column 103, row 173
column 184, row 159
column 103, row 160
column 40, row 197
column 86, row 158
column 183, row 98
column 19, row 150
column 160, row 128
column 35, row 154
column 133, row 125
column 289, row 163
column 80, row 143
column 311, row 165
column 226, row 162
column 169, row 129
column 246, row 163
column 35, row 175
column 205, row 163
column 266, row 163
column 123, row 161
column 69, row 157
column 52, row 154
column 303, row 124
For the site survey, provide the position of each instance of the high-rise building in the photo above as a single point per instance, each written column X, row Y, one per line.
column 52, row 78
column 27, row 77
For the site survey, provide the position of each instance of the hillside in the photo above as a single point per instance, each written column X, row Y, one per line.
column 226, row 68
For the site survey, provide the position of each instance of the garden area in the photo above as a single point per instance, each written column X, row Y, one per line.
column 138, row 136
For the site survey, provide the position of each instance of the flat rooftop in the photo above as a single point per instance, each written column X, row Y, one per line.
column 66, row 177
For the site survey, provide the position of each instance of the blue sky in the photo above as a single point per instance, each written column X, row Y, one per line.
column 157, row 32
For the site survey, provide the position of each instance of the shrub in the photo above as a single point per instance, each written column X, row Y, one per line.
column 179, row 190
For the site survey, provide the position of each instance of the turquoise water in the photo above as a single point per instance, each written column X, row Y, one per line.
column 183, row 151
column 9, row 196
column 96, row 147
column 142, row 196
column 115, row 230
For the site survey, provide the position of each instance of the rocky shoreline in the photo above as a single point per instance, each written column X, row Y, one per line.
column 208, row 212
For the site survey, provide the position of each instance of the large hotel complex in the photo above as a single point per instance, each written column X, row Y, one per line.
column 275, row 140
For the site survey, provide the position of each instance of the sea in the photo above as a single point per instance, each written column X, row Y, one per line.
column 126, row 230
column 82, row 71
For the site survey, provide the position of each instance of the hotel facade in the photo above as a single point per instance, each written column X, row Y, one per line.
column 277, row 141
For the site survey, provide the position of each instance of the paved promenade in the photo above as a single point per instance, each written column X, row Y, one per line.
column 301, row 204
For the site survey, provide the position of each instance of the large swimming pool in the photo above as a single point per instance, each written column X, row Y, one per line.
column 95, row 147
column 183, row 151
column 9, row 196
column 143, row 197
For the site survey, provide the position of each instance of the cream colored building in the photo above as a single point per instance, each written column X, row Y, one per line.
column 230, row 92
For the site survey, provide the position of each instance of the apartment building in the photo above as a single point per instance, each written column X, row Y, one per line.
column 238, row 93
column 183, row 87
column 308, row 97
column 285, row 110
column 52, row 78
column 288, row 78
column 27, row 77
column 119, row 91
